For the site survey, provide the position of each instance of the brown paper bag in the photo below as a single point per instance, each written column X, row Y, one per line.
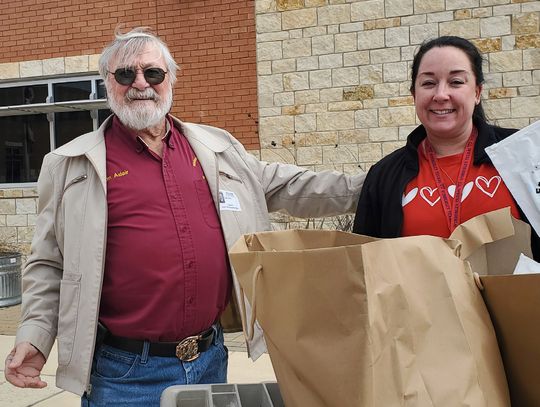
column 513, row 302
column 492, row 242
column 352, row 321
column 310, row 301
column 432, row 340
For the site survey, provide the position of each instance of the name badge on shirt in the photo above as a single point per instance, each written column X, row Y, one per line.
column 228, row 201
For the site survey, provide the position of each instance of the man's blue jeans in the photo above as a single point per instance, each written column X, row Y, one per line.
column 121, row 378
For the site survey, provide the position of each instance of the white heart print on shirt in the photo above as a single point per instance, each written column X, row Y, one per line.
column 405, row 199
column 485, row 185
column 427, row 194
column 465, row 193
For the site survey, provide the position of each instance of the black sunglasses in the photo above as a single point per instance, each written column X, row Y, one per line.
column 126, row 76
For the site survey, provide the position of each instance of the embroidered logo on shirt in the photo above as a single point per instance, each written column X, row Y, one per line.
column 118, row 174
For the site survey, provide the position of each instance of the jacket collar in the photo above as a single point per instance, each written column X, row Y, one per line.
column 87, row 142
column 486, row 137
column 202, row 134
column 205, row 144
column 91, row 145
column 202, row 139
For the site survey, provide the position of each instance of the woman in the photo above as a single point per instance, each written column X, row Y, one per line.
column 443, row 176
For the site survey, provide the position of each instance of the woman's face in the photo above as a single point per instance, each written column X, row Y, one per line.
column 445, row 93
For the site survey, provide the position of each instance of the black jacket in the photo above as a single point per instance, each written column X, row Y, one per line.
column 379, row 212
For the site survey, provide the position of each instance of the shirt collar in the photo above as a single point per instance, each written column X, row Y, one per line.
column 168, row 131
column 117, row 127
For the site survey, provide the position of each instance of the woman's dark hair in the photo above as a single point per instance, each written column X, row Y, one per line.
column 468, row 48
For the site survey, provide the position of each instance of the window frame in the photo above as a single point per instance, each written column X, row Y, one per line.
column 92, row 105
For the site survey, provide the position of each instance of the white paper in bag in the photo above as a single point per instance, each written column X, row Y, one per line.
column 517, row 159
column 526, row 265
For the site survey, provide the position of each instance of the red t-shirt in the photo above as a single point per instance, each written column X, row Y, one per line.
column 423, row 212
column 166, row 268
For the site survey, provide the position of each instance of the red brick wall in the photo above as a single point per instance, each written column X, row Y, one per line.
column 212, row 40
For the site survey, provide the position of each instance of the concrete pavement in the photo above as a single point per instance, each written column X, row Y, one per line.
column 241, row 369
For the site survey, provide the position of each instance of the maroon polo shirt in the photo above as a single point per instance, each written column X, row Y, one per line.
column 166, row 272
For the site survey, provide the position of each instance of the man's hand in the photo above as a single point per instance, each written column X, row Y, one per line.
column 23, row 366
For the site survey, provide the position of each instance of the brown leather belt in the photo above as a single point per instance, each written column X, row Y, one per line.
column 186, row 350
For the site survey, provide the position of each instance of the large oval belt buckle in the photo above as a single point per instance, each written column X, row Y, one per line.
column 188, row 349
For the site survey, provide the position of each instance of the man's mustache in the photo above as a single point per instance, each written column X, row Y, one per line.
column 147, row 94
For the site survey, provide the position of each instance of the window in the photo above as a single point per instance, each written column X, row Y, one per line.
column 38, row 116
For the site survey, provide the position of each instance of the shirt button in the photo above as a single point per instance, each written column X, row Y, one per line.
column 190, row 264
column 190, row 300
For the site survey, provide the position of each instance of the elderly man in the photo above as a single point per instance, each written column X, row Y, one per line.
column 129, row 267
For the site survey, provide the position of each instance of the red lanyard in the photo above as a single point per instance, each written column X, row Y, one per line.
column 452, row 211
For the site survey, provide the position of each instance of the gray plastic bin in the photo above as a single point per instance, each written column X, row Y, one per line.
column 10, row 279
column 223, row 395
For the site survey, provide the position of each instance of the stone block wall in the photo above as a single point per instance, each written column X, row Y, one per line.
column 334, row 75
column 36, row 69
column 18, row 207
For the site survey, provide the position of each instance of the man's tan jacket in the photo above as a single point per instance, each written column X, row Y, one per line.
column 64, row 273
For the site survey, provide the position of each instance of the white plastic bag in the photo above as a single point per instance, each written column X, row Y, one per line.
column 517, row 159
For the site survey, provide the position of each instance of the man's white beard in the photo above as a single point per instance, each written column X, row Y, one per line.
column 141, row 115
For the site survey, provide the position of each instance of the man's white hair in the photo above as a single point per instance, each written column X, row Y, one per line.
column 126, row 47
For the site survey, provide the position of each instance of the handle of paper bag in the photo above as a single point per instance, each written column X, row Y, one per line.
column 247, row 334
column 478, row 281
